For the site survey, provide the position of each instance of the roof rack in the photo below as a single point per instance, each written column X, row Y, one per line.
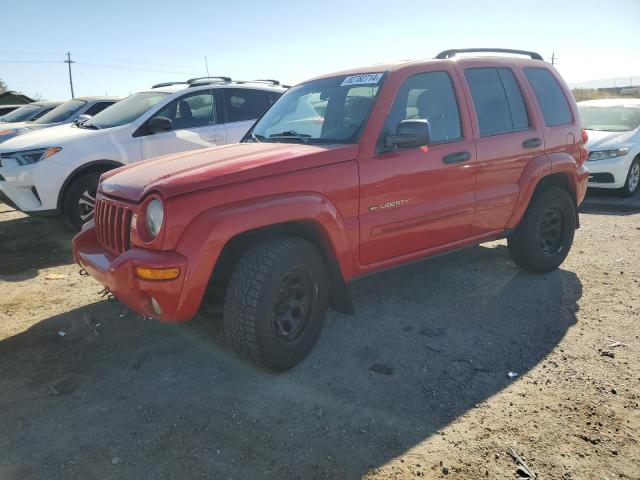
column 167, row 84
column 203, row 79
column 454, row 52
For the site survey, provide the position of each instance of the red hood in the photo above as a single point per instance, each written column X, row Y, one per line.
column 186, row 172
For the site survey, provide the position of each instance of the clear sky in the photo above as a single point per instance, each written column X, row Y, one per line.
column 117, row 43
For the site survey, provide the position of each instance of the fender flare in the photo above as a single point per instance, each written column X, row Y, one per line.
column 205, row 237
column 75, row 173
column 542, row 167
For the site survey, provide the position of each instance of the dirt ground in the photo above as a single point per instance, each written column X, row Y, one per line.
column 88, row 390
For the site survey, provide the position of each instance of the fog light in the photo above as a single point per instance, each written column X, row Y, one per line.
column 157, row 273
column 156, row 307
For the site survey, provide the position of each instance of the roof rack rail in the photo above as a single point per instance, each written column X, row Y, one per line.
column 275, row 83
column 198, row 79
column 167, row 84
column 454, row 52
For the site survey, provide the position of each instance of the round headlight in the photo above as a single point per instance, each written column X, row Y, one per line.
column 154, row 217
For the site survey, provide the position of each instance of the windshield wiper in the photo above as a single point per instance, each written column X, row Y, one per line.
column 256, row 137
column 291, row 134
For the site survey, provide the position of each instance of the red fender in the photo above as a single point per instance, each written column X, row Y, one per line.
column 206, row 236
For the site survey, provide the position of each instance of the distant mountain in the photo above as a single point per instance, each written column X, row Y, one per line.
column 608, row 82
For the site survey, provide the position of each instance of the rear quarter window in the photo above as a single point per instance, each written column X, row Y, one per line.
column 550, row 96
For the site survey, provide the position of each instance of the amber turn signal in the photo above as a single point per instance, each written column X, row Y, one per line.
column 146, row 273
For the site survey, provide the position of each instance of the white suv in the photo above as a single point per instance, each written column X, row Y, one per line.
column 57, row 170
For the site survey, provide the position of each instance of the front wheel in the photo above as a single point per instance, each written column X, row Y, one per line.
column 79, row 201
column 633, row 179
column 276, row 302
column 544, row 236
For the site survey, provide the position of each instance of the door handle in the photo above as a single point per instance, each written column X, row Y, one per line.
column 532, row 143
column 457, row 157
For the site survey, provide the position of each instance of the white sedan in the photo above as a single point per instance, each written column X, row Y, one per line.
column 613, row 126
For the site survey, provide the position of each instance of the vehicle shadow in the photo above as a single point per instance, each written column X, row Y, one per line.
column 123, row 397
column 28, row 244
column 603, row 202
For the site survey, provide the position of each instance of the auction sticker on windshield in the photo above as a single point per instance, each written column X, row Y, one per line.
column 362, row 79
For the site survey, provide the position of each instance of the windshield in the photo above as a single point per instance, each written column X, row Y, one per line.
column 61, row 112
column 125, row 111
column 618, row 118
column 331, row 110
column 21, row 114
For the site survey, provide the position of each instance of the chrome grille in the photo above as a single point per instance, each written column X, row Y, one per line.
column 113, row 225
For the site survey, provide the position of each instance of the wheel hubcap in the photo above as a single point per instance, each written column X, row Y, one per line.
column 293, row 304
column 634, row 177
column 86, row 205
column 551, row 230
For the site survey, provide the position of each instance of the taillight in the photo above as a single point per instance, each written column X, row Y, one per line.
column 584, row 153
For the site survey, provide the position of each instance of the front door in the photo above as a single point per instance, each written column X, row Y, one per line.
column 193, row 118
column 415, row 199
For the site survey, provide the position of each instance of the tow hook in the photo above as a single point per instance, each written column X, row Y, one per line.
column 106, row 293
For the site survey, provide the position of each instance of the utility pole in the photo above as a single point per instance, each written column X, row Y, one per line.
column 68, row 61
column 206, row 65
column 553, row 58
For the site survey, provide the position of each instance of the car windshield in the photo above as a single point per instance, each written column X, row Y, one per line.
column 21, row 114
column 125, row 111
column 330, row 110
column 617, row 118
column 61, row 112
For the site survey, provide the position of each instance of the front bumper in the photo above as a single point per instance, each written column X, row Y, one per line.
column 116, row 273
column 33, row 188
column 610, row 173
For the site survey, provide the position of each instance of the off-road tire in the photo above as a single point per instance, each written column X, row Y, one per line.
column 629, row 190
column 531, row 246
column 254, row 294
column 87, row 182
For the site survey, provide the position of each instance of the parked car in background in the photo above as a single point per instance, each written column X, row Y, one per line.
column 4, row 109
column 613, row 126
column 56, row 170
column 31, row 111
column 78, row 109
column 347, row 174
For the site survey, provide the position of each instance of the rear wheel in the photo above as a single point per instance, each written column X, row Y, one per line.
column 633, row 179
column 79, row 200
column 276, row 302
column 544, row 236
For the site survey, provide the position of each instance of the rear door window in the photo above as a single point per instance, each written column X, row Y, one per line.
column 243, row 104
column 498, row 101
column 550, row 96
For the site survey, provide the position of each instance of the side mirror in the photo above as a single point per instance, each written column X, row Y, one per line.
column 159, row 124
column 82, row 118
column 411, row 133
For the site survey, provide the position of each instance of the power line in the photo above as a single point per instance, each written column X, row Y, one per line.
column 136, row 68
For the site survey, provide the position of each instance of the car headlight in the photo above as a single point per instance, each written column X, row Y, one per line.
column 154, row 217
column 29, row 157
column 605, row 154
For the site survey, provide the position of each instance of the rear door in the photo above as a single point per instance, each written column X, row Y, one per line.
column 194, row 119
column 507, row 139
column 415, row 199
column 242, row 107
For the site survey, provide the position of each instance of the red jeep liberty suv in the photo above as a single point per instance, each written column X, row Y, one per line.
column 346, row 174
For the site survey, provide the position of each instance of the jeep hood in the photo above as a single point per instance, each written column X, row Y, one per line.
column 186, row 172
